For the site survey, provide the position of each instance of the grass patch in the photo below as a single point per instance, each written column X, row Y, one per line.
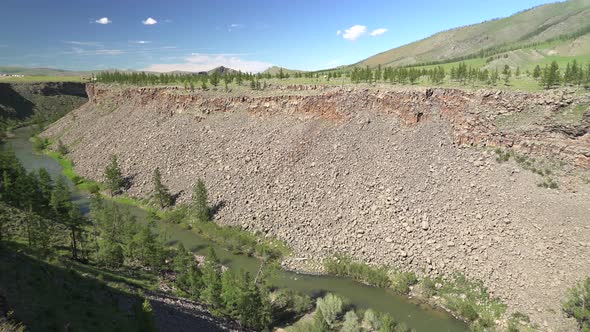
column 470, row 300
column 574, row 114
column 467, row 299
column 384, row 277
column 545, row 169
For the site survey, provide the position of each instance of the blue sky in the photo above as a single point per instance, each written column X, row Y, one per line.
column 248, row 35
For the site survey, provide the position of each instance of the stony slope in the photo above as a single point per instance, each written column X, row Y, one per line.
column 534, row 25
column 397, row 177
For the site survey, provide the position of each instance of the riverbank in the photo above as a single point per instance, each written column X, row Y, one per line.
column 465, row 300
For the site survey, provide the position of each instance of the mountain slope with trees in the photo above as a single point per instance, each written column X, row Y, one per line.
column 564, row 23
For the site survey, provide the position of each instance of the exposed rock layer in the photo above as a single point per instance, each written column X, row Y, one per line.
column 378, row 174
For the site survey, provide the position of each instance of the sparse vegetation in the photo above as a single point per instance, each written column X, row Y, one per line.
column 577, row 304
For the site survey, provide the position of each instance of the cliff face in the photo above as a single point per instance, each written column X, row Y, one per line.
column 19, row 101
column 530, row 123
column 389, row 176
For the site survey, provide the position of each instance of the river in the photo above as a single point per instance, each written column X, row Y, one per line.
column 420, row 317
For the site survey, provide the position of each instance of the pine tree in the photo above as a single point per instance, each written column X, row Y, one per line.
column 202, row 210
column 537, row 72
column 161, row 193
column 113, row 176
column 211, row 292
column 506, row 73
column 551, row 75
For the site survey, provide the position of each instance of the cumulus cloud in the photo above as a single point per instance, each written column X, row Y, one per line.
column 198, row 62
column 354, row 32
column 149, row 21
column 104, row 20
column 378, row 32
column 338, row 33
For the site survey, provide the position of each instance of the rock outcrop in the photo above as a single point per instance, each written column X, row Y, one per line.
column 391, row 176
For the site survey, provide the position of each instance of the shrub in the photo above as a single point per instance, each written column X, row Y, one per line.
column 371, row 320
column 351, row 322
column 387, row 323
column 93, row 188
column 577, row 304
column 330, row 307
column 40, row 144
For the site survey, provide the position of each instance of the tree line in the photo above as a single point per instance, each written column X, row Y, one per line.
column 548, row 77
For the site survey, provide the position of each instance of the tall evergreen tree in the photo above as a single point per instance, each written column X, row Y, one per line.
column 211, row 292
column 161, row 193
column 200, row 205
column 113, row 176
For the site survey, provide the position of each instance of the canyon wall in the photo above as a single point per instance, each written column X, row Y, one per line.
column 19, row 101
column 403, row 177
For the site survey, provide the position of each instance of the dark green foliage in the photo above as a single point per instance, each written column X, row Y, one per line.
column 113, row 177
column 211, row 292
column 577, row 304
column 200, row 205
column 288, row 304
column 39, row 144
column 161, row 193
column 110, row 254
column 551, row 75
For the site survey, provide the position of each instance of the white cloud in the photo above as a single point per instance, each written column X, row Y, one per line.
column 104, row 20
column 149, row 21
column 141, row 42
column 203, row 62
column 81, row 51
column 82, row 43
column 354, row 32
column 338, row 33
column 378, row 32
column 235, row 26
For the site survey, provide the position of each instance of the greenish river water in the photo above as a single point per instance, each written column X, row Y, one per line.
column 421, row 318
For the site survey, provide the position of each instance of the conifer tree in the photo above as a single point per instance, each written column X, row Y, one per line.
column 113, row 176
column 211, row 292
column 200, row 205
column 161, row 193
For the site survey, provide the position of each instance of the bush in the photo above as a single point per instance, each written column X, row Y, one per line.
column 330, row 307
column 577, row 304
column 351, row 322
column 371, row 320
column 93, row 188
column 40, row 144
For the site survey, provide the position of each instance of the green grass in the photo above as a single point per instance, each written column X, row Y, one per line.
column 573, row 115
column 465, row 298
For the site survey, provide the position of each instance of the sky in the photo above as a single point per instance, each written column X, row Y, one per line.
column 249, row 35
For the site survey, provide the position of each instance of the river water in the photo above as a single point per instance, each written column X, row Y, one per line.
column 420, row 317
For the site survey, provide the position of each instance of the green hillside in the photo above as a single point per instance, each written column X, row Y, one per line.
column 538, row 35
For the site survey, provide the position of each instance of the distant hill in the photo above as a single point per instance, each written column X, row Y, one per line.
column 221, row 70
column 551, row 30
column 275, row 70
column 41, row 71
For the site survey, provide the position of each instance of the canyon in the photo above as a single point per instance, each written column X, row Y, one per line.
column 407, row 177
